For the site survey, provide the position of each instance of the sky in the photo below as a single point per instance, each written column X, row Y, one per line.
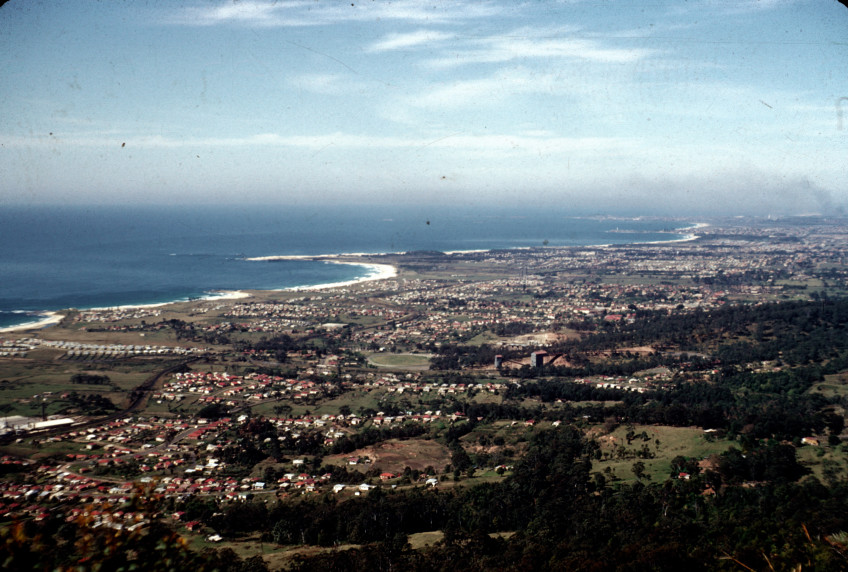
column 712, row 106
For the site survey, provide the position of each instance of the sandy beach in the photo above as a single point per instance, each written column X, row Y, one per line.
column 686, row 238
column 376, row 271
column 222, row 295
column 692, row 235
column 52, row 318
column 227, row 295
column 48, row 319
column 474, row 251
column 694, row 227
column 322, row 257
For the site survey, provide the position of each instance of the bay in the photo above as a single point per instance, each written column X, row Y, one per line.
column 56, row 257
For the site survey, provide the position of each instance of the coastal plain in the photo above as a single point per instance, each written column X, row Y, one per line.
column 439, row 374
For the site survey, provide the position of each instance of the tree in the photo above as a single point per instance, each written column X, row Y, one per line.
column 638, row 469
column 459, row 458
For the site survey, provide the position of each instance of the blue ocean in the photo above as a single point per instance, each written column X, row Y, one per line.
column 54, row 257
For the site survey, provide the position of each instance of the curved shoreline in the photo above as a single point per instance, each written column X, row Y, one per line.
column 219, row 295
column 377, row 271
column 686, row 238
column 48, row 319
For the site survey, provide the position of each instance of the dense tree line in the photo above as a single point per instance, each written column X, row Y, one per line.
column 455, row 357
column 798, row 333
column 789, row 330
column 90, row 379
column 90, row 404
column 566, row 520
column 763, row 405
column 564, row 517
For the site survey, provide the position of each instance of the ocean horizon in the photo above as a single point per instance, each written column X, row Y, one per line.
column 58, row 257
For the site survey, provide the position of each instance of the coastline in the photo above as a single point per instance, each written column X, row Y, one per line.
column 48, row 319
column 221, row 295
column 476, row 251
column 376, row 271
column 380, row 272
column 686, row 238
column 52, row 317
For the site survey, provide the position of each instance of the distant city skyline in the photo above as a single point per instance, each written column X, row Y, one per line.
column 713, row 106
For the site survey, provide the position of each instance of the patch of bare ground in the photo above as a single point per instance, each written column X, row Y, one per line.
column 607, row 441
column 488, row 449
column 637, row 350
column 541, row 338
column 560, row 360
column 282, row 560
column 394, row 455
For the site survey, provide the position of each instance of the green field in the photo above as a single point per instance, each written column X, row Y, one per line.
column 826, row 463
column 689, row 442
column 420, row 540
column 356, row 400
column 835, row 385
column 485, row 337
column 400, row 361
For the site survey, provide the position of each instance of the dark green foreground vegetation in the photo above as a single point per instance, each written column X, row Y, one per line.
column 564, row 519
column 753, row 507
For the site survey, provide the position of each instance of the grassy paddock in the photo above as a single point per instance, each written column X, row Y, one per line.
column 356, row 400
column 485, row 337
column 401, row 361
column 835, row 385
column 421, row 540
column 824, row 462
column 689, row 442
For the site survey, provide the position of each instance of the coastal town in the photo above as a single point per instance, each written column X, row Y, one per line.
column 432, row 375
column 413, row 286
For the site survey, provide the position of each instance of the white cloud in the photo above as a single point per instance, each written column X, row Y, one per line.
column 251, row 13
column 742, row 6
column 492, row 89
column 409, row 40
column 417, row 11
column 467, row 92
column 266, row 13
column 458, row 141
column 728, row 7
column 328, row 84
column 529, row 43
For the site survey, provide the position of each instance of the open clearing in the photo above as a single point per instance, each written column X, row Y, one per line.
column 834, row 385
column 395, row 455
column 400, row 361
column 689, row 442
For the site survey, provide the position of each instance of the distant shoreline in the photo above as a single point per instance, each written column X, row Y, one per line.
column 51, row 317
column 48, row 319
column 686, row 238
column 376, row 271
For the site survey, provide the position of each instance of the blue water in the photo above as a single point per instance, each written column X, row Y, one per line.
column 86, row 257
